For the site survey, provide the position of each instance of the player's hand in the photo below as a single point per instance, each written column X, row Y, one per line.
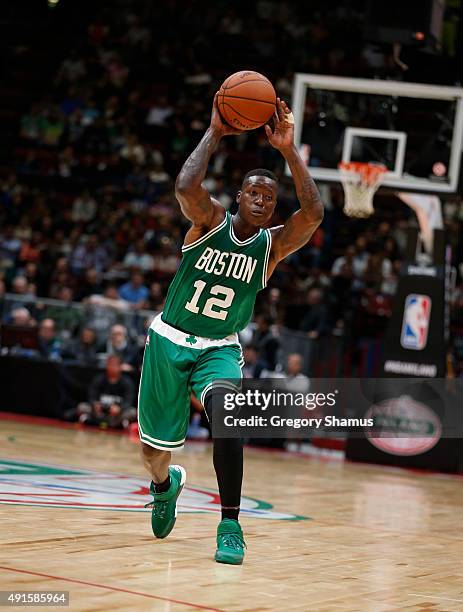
column 282, row 136
column 218, row 124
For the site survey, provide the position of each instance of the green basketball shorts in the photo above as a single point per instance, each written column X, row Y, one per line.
column 176, row 364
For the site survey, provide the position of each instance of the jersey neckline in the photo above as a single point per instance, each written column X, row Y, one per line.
column 242, row 242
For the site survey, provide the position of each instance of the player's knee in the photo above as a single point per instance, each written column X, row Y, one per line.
column 214, row 400
column 153, row 454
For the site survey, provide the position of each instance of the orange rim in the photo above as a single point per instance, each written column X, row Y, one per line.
column 368, row 172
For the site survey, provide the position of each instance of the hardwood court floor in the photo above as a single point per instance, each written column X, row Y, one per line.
column 378, row 539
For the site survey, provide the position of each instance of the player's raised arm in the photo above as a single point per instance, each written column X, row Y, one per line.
column 301, row 225
column 195, row 201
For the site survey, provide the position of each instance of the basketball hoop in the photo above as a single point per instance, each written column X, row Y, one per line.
column 360, row 182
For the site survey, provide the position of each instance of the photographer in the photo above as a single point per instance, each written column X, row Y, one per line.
column 111, row 398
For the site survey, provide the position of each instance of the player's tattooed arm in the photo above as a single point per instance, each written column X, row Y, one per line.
column 299, row 228
column 195, row 201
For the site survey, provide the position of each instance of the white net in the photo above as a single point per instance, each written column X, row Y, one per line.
column 360, row 182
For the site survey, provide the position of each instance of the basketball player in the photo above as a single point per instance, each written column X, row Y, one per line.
column 226, row 261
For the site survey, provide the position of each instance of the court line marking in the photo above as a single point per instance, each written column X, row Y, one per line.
column 436, row 597
column 110, row 588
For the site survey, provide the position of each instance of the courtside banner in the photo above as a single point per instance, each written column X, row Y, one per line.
column 415, row 343
column 425, row 410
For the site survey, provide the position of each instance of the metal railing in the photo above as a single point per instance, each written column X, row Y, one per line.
column 329, row 356
column 332, row 355
column 71, row 317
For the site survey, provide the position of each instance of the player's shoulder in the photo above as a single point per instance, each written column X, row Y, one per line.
column 198, row 231
column 218, row 216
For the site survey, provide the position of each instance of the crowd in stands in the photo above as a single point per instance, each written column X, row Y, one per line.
column 88, row 215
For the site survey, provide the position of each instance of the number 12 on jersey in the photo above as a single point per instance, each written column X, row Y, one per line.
column 221, row 303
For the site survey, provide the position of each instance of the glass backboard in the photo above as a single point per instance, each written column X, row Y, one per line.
column 415, row 130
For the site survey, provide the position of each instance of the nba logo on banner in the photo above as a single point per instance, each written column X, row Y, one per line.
column 415, row 323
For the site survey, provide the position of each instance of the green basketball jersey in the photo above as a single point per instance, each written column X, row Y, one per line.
column 214, row 291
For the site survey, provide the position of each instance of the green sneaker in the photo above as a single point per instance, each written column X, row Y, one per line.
column 164, row 505
column 230, row 543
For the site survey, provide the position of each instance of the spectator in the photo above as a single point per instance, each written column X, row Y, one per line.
column 22, row 317
column 9, row 248
column 165, row 264
column 390, row 281
column 250, row 361
column 361, row 250
column 354, row 262
column 89, row 255
column 315, row 319
column 19, row 286
column 110, row 398
column 133, row 151
column 53, row 127
column 118, row 344
column 135, row 291
column 296, row 381
column 32, row 274
column 139, row 258
column 26, row 295
column 90, row 285
column 138, row 35
column 159, row 113
column 156, row 297
column 84, row 208
column 31, row 125
column 117, row 71
column 315, row 278
column 31, row 250
column 23, row 230
column 49, row 343
column 72, row 69
column 378, row 268
column 83, row 348
column 266, row 344
column 104, row 311
column 157, row 174
column 60, row 277
column 274, row 305
column 67, row 316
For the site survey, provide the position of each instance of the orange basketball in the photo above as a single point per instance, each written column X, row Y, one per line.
column 246, row 100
